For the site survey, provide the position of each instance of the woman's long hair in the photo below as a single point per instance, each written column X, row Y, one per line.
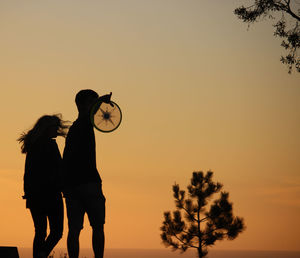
column 40, row 129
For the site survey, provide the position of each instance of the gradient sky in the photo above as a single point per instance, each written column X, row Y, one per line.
column 198, row 91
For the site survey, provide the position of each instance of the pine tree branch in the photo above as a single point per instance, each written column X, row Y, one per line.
column 189, row 233
column 190, row 245
column 209, row 232
column 191, row 215
column 206, row 218
column 203, row 244
column 280, row 6
column 249, row 7
column 286, row 8
column 212, row 231
column 194, row 235
column 290, row 12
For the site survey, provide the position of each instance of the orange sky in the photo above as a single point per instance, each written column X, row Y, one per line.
column 198, row 91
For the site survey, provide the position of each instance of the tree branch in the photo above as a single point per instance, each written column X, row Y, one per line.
column 290, row 12
column 207, row 233
column 183, row 241
column 188, row 233
column 280, row 6
column 192, row 216
column 204, row 219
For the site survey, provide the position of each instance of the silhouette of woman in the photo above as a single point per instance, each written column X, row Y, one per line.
column 42, row 181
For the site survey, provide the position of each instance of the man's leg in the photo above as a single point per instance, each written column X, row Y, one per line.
column 73, row 243
column 75, row 213
column 98, row 241
column 94, row 202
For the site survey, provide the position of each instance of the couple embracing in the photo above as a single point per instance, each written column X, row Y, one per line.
column 48, row 175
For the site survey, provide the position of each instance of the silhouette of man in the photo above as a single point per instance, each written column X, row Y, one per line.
column 82, row 182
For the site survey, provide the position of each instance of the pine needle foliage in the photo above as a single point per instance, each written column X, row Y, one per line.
column 287, row 16
column 193, row 224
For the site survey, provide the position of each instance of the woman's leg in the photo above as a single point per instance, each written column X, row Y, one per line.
column 40, row 224
column 55, row 213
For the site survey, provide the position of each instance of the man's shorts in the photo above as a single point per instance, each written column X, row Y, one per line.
column 87, row 198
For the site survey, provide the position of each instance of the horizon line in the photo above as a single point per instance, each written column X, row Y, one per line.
column 166, row 249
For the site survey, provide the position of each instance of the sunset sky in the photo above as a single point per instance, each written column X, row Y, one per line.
column 198, row 90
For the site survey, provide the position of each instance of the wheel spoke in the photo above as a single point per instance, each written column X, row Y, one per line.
column 111, row 121
column 100, row 122
column 103, row 112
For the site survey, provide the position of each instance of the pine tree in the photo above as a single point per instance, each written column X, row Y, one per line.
column 200, row 228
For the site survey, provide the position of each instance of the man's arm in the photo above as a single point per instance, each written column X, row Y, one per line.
column 105, row 98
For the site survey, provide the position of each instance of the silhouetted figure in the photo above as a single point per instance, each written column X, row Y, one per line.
column 42, row 182
column 82, row 183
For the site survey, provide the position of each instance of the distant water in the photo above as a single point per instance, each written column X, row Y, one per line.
column 167, row 253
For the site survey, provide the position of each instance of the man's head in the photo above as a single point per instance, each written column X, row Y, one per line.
column 85, row 99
